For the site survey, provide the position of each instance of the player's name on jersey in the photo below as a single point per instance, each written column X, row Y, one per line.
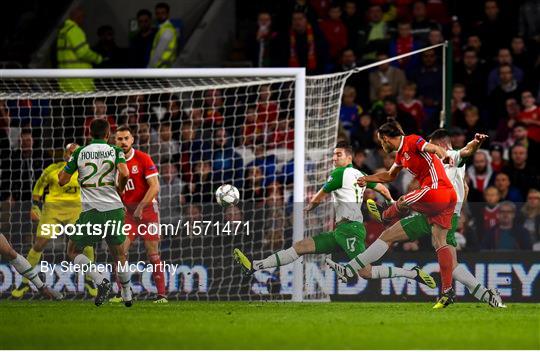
column 135, row 267
column 99, row 154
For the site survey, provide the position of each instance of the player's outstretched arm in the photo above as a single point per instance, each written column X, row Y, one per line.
column 381, row 177
column 123, row 176
column 383, row 190
column 316, row 200
column 440, row 152
column 473, row 145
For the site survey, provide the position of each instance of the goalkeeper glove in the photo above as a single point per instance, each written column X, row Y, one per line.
column 35, row 212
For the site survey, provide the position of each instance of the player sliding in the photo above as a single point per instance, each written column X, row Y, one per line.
column 62, row 206
column 142, row 208
column 350, row 233
column 436, row 199
column 24, row 268
column 99, row 165
column 416, row 225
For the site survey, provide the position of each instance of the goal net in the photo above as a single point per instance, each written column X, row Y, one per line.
column 202, row 131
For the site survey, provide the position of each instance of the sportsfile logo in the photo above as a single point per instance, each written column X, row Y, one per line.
column 117, row 228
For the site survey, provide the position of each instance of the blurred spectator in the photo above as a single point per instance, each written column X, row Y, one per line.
column 164, row 148
column 505, row 125
column 470, row 72
column 408, row 104
column 275, row 217
column 73, row 51
column 457, row 39
column 507, row 234
column 307, row 47
column 373, row 37
column 214, row 108
column 304, row 7
column 421, row 24
column 359, row 159
column 251, row 130
column 428, row 79
column 99, row 111
column 522, row 172
column 472, row 123
column 352, row 21
column 503, row 58
column 506, row 190
column 402, row 44
column 334, row 31
column 530, row 212
column 349, row 112
column 191, row 148
column 490, row 210
column 266, row 162
column 474, row 42
column 267, row 109
column 435, row 37
column 507, row 88
column 129, row 116
column 106, row 47
column 165, row 44
column 283, row 135
column 365, row 137
column 226, row 162
column 201, row 188
column 169, row 193
column 496, row 152
column 520, row 137
column 141, row 44
column 359, row 80
column 521, row 57
column 530, row 115
column 480, row 172
column 392, row 112
column 529, row 27
column 385, row 74
column 459, row 104
column 253, row 189
column 142, row 137
column 457, row 137
column 494, row 29
column 265, row 42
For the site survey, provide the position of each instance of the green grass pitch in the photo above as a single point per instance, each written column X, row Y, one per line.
column 266, row 325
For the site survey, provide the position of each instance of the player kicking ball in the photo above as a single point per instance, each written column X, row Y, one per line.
column 100, row 165
column 416, row 225
column 62, row 206
column 24, row 268
column 139, row 198
column 350, row 233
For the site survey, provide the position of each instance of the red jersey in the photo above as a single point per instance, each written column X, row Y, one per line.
column 415, row 109
column 141, row 167
column 533, row 114
column 425, row 167
column 490, row 217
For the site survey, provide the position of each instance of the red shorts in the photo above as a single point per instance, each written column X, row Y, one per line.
column 436, row 204
column 147, row 227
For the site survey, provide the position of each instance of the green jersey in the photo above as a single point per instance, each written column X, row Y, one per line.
column 96, row 163
column 347, row 195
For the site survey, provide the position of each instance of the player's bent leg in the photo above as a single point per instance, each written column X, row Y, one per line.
column 89, row 284
column 445, row 259
column 152, row 252
column 33, row 257
column 124, row 274
column 24, row 268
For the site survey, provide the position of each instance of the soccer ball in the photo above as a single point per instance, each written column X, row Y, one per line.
column 227, row 195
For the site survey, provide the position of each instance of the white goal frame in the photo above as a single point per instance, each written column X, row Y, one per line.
column 299, row 76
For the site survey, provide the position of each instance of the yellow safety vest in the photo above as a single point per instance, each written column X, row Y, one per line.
column 168, row 57
column 73, row 51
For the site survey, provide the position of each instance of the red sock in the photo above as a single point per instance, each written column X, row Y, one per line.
column 158, row 275
column 393, row 212
column 444, row 256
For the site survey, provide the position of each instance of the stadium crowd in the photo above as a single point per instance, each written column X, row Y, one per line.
column 203, row 140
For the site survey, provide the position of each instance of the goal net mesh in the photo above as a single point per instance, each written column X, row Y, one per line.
column 201, row 133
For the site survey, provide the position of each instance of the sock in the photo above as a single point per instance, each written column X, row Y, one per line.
column 157, row 273
column 24, row 268
column 444, row 257
column 280, row 258
column 382, row 272
column 371, row 254
column 125, row 281
column 88, row 251
column 33, row 258
column 393, row 212
column 464, row 276
column 81, row 259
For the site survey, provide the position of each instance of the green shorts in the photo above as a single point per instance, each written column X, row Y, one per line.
column 88, row 235
column 417, row 225
column 350, row 237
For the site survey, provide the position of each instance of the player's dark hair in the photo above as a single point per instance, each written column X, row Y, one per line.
column 519, row 124
column 144, row 12
column 124, row 128
column 99, row 128
column 391, row 129
column 439, row 134
column 163, row 5
column 345, row 145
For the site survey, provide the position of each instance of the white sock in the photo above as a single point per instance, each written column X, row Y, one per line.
column 383, row 271
column 24, row 268
column 81, row 259
column 125, row 281
column 280, row 258
column 370, row 255
column 464, row 276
